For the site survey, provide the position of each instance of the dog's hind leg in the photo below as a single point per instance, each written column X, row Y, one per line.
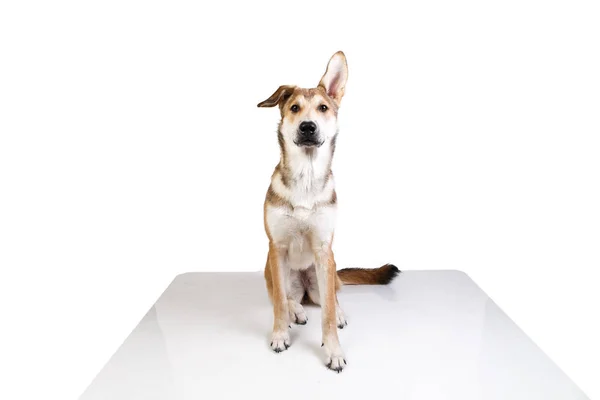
column 296, row 292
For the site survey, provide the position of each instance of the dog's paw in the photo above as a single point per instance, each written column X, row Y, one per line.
column 299, row 317
column 335, row 359
column 336, row 363
column 280, row 341
column 341, row 319
column 297, row 314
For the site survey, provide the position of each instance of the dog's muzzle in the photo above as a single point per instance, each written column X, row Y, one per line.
column 308, row 134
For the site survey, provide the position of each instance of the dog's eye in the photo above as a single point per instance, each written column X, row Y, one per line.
column 323, row 108
column 294, row 108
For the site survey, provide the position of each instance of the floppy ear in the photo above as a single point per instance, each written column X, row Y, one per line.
column 334, row 80
column 280, row 95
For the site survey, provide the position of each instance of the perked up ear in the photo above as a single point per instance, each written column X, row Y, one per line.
column 280, row 95
column 336, row 75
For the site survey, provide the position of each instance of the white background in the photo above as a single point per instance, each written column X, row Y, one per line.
column 132, row 150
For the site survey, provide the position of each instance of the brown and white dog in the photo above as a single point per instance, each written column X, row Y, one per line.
column 300, row 214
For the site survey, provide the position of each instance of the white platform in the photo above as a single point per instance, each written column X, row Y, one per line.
column 430, row 335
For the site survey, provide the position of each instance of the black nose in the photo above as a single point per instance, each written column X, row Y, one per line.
column 308, row 128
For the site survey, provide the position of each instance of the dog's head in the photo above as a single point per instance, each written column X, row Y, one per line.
column 309, row 116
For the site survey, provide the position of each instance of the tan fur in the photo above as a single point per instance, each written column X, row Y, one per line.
column 287, row 95
column 278, row 96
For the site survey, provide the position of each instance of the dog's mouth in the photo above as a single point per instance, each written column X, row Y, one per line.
column 308, row 143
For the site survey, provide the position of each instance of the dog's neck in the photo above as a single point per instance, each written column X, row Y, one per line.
column 303, row 177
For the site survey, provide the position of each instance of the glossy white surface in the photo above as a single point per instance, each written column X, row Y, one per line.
column 429, row 335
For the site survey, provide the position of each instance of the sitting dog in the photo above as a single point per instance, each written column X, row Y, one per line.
column 300, row 214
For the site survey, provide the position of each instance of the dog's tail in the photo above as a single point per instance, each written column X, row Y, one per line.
column 368, row 276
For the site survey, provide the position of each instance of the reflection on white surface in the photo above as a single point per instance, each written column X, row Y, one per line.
column 429, row 335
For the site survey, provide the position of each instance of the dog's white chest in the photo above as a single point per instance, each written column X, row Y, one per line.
column 300, row 230
column 302, row 215
column 285, row 224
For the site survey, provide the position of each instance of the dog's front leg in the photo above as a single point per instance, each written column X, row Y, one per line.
column 280, row 340
column 326, row 274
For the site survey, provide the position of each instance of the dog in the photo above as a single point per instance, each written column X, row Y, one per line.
column 300, row 214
